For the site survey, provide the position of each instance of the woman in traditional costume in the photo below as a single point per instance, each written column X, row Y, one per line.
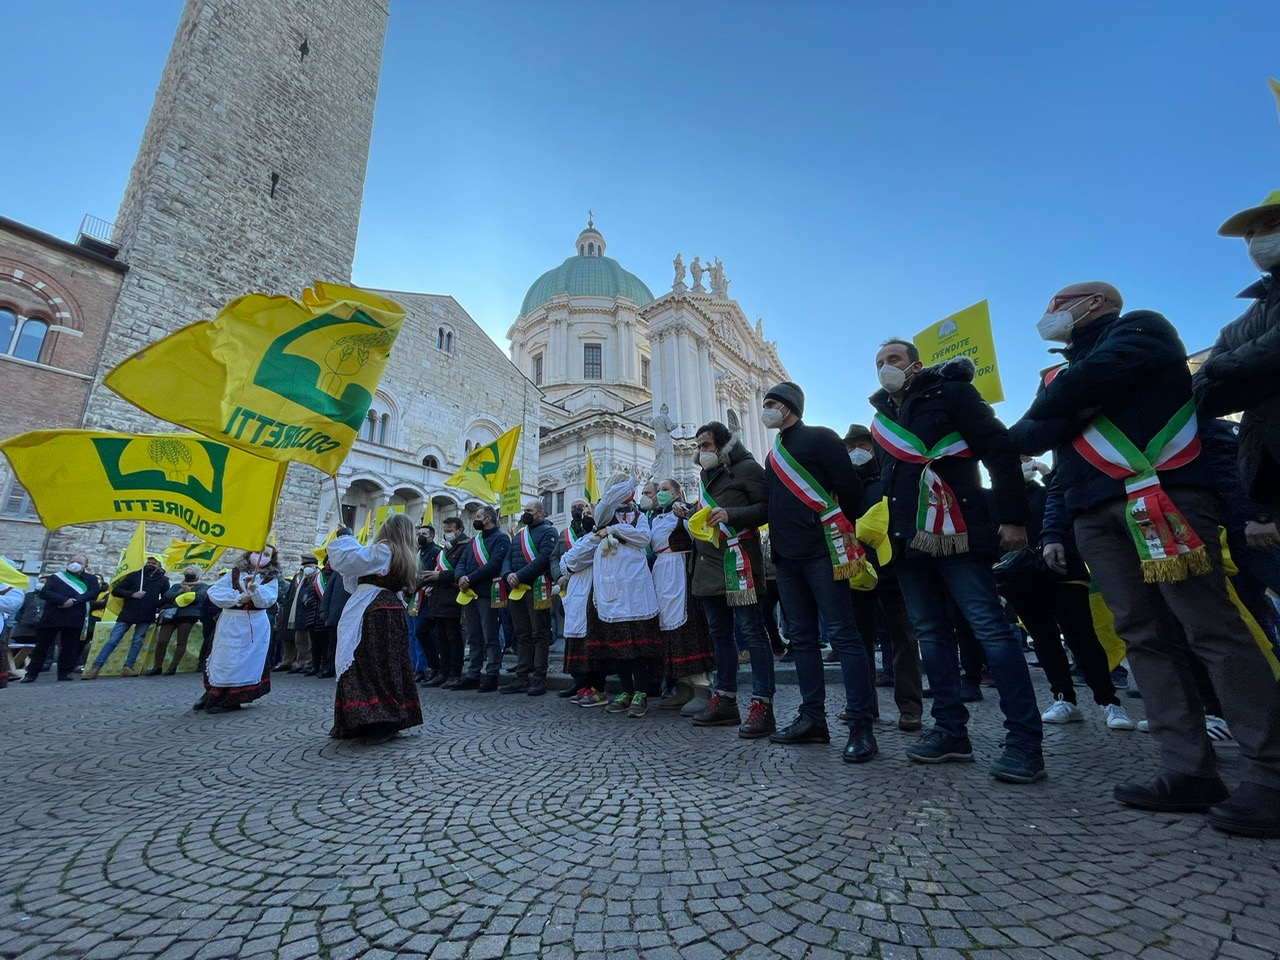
column 622, row 619
column 238, row 671
column 376, row 696
column 686, row 644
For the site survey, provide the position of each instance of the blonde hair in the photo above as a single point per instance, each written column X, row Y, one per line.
column 399, row 533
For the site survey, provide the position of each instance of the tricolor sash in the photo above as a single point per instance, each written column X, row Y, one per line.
column 497, row 589
column 542, row 586
column 847, row 555
column 570, row 538
column 71, row 580
column 940, row 526
column 1168, row 546
column 739, row 580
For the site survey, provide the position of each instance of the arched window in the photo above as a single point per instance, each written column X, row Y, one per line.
column 448, row 342
column 440, row 339
column 431, row 463
column 8, row 327
column 370, row 426
column 582, row 250
column 467, row 446
column 30, row 340
column 591, row 249
column 444, row 339
column 384, row 429
column 734, row 425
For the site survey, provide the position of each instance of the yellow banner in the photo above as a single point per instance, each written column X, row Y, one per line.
column 485, row 472
column 380, row 516
column 592, row 486
column 131, row 560
column 282, row 379
column 965, row 334
column 511, row 495
column 11, row 576
column 83, row 476
column 182, row 554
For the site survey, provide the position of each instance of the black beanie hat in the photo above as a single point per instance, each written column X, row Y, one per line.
column 790, row 394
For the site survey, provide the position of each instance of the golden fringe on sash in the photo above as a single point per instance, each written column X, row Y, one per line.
column 940, row 545
column 740, row 598
column 542, row 604
column 1180, row 567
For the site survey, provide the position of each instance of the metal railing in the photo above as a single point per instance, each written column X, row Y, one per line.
column 97, row 228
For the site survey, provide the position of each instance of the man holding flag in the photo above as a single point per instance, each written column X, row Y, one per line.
column 932, row 427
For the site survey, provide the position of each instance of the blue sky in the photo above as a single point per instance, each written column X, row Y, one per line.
column 862, row 169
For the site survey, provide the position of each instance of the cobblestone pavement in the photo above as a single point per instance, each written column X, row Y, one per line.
column 510, row 827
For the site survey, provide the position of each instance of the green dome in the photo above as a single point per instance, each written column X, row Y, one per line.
column 586, row 276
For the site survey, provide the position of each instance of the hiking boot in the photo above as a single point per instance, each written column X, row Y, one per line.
column 639, row 705
column 90, row 674
column 518, row 685
column 909, row 723
column 760, row 721
column 155, row 672
column 1020, row 764
column 937, row 747
column 1252, row 811
column 1170, row 792
column 620, row 704
column 678, row 697
column 488, row 683
column 862, row 743
column 802, row 731
column 720, row 712
column 127, row 671
column 1062, row 710
column 537, row 687
column 593, row 698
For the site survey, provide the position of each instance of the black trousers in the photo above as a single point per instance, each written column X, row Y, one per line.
column 322, row 648
column 1054, row 610
column 68, row 640
column 451, row 646
column 425, row 634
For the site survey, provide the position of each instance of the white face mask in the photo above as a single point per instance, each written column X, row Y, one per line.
column 74, row 567
column 1056, row 327
column 772, row 417
column 708, row 460
column 1264, row 251
column 859, row 456
column 255, row 559
column 308, row 570
column 450, row 537
column 646, row 502
column 1028, row 471
column 892, row 378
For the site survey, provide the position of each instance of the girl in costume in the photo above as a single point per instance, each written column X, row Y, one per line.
column 376, row 694
column 686, row 644
column 238, row 671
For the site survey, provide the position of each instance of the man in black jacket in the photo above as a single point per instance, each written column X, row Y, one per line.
column 481, row 573
column 66, row 596
column 528, row 564
column 811, row 483
column 932, row 427
column 332, row 603
column 424, row 625
column 141, row 591
column 1146, row 520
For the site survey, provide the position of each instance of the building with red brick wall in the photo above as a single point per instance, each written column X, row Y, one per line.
column 56, row 299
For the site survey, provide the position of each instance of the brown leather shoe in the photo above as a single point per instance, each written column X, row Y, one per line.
column 909, row 723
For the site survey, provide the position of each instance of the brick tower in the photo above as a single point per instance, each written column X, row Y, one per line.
column 249, row 178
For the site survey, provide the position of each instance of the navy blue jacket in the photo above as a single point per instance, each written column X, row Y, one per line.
column 56, row 590
column 795, row 531
column 499, row 545
column 140, row 609
column 544, row 536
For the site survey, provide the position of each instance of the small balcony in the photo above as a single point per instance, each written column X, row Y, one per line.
column 96, row 235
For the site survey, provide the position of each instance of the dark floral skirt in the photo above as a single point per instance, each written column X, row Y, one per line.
column 237, row 696
column 687, row 650
column 607, row 643
column 376, row 695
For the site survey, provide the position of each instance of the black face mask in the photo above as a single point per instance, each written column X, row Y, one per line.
column 424, row 541
column 588, row 524
column 190, row 579
column 576, row 513
column 478, row 524
column 527, row 519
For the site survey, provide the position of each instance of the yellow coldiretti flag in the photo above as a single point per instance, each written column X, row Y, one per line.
column 11, row 576
column 182, row 554
column 282, row 379
column 428, row 515
column 965, row 334
column 486, row 470
column 365, row 533
column 380, row 516
column 591, row 490
column 132, row 558
column 322, row 550
column 220, row 494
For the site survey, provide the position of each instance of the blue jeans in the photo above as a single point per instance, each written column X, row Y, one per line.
column 722, row 620
column 807, row 590
column 927, row 583
column 417, row 659
column 482, row 638
column 117, row 634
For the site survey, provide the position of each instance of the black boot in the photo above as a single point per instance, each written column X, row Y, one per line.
column 1173, row 793
column 1252, row 811
column 862, row 743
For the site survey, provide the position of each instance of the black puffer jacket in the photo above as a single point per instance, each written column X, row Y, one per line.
column 795, row 530
column 940, row 400
column 152, row 584
column 737, row 484
column 1242, row 373
column 1131, row 369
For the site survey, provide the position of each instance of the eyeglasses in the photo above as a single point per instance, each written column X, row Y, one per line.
column 1071, row 297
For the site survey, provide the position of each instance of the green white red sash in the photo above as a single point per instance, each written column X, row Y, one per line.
column 71, row 580
column 542, row 586
column 570, row 538
column 739, row 579
column 847, row 555
column 940, row 526
column 498, row 588
column 1167, row 545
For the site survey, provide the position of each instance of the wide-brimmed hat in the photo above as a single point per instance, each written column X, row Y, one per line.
column 1237, row 225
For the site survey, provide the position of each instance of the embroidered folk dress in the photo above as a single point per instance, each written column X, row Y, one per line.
column 376, row 693
column 686, row 643
column 577, row 562
column 237, row 671
column 622, row 619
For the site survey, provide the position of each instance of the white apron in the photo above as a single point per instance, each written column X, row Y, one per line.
column 578, row 561
column 670, row 581
column 353, row 561
column 623, row 589
column 243, row 638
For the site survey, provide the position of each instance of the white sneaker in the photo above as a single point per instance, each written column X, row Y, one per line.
column 1116, row 718
column 1062, row 712
column 1219, row 732
column 1143, row 727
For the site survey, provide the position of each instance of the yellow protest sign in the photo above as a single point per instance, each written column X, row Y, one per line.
column 282, row 379
column 965, row 334
column 182, row 554
column 511, row 495
column 220, row 494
